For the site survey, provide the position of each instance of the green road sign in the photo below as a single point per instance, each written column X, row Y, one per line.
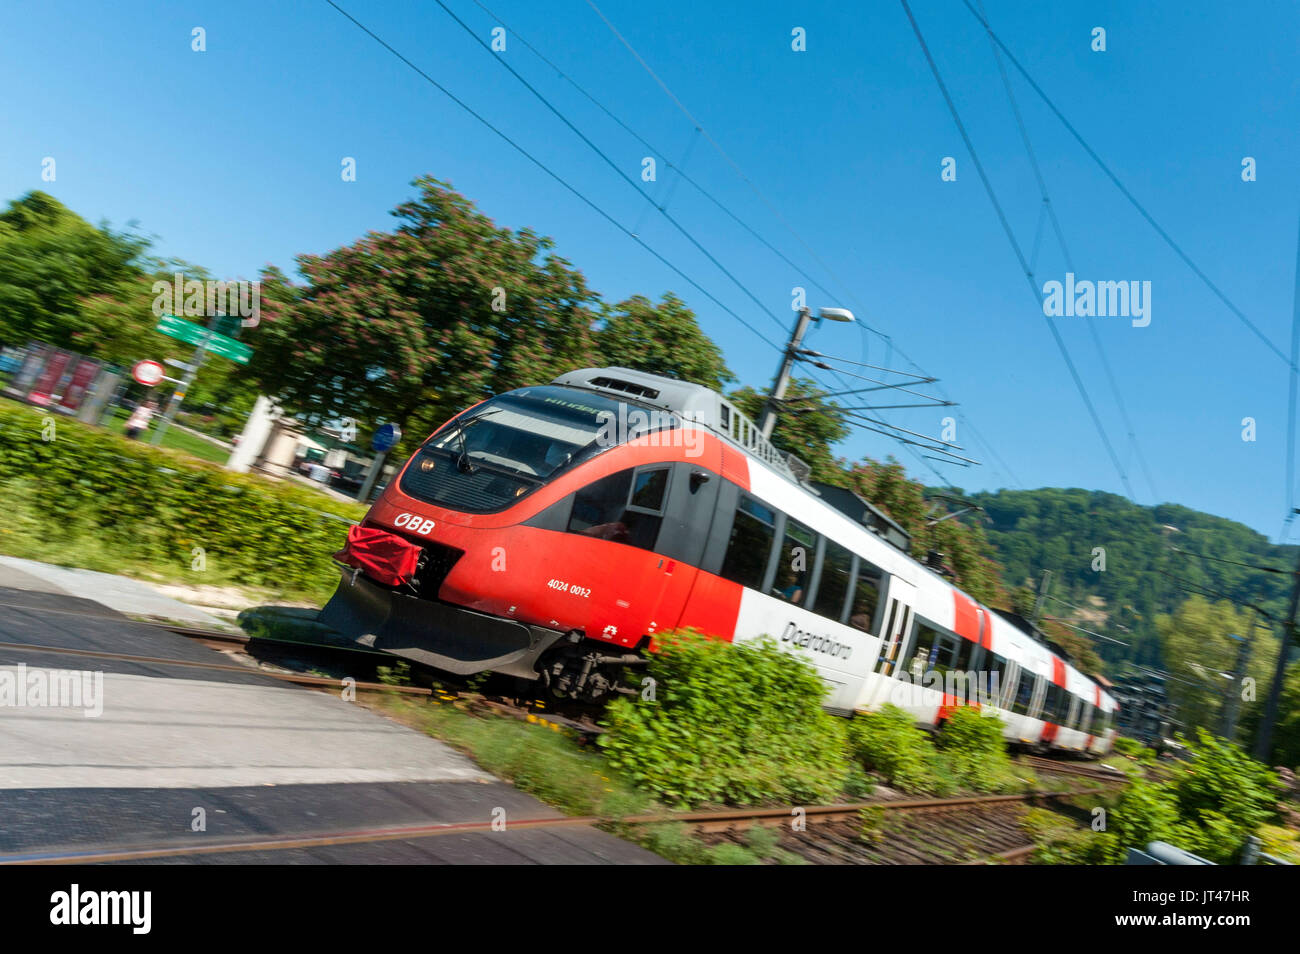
column 236, row 351
column 218, row 344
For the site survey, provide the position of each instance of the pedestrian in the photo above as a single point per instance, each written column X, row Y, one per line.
column 139, row 419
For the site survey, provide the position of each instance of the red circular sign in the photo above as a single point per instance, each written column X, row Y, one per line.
column 147, row 372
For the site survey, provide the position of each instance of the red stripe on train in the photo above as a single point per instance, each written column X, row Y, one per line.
column 966, row 616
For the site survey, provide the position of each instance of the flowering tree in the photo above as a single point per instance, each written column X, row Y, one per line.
column 414, row 325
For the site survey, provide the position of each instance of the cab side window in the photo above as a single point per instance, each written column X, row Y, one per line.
column 626, row 507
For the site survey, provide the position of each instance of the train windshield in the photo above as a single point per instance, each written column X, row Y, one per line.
column 514, row 443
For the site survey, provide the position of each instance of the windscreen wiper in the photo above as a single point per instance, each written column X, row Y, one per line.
column 461, row 460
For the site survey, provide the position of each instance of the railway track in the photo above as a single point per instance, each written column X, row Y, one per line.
column 1060, row 767
column 831, row 834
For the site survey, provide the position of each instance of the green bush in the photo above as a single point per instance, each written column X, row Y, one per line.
column 889, row 742
column 737, row 724
column 71, row 485
column 974, row 748
column 1144, row 812
column 1225, row 793
column 1210, row 807
column 1126, row 746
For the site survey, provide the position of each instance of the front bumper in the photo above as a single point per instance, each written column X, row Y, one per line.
column 435, row 634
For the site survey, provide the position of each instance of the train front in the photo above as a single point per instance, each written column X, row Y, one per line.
column 464, row 563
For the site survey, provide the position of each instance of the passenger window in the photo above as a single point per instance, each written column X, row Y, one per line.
column 935, row 650
column 966, row 656
column 995, row 668
column 602, row 509
column 866, row 596
column 837, row 567
column 752, row 534
column 1024, row 692
column 798, row 547
column 1052, row 704
column 945, row 654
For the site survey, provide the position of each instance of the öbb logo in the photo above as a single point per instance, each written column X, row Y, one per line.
column 414, row 523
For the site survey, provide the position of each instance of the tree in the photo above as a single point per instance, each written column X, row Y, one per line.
column 660, row 339
column 1286, row 735
column 807, row 426
column 413, row 326
column 50, row 259
column 1199, row 652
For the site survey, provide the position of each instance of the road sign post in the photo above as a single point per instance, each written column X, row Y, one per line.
column 207, row 339
column 182, row 389
column 386, row 437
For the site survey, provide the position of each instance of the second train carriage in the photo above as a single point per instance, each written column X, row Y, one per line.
column 551, row 531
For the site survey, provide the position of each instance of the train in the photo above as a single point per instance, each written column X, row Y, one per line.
column 551, row 532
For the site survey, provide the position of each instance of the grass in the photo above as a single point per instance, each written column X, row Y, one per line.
column 1281, row 842
column 576, row 780
column 174, row 439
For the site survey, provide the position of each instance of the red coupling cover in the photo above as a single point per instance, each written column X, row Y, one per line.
column 380, row 555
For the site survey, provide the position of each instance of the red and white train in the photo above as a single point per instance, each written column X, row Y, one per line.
column 549, row 532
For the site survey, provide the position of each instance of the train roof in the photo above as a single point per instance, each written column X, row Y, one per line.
column 691, row 402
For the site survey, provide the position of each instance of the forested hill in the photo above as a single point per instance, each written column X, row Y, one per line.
column 1059, row 530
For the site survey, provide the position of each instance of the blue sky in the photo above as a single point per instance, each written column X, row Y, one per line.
column 231, row 157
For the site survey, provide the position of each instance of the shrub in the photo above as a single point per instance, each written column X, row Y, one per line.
column 889, row 742
column 1209, row 808
column 1143, row 813
column 975, row 750
column 737, row 724
column 1129, row 747
column 142, row 505
column 1225, row 793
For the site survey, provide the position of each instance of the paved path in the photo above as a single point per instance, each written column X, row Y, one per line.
column 116, row 592
column 133, row 749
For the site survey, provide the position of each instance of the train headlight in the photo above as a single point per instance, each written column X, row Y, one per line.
column 428, row 464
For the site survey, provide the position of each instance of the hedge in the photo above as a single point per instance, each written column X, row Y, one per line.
column 155, row 506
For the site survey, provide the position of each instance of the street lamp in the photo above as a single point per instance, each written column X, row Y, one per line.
column 768, row 422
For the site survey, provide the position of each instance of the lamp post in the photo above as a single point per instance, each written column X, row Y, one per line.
column 768, row 422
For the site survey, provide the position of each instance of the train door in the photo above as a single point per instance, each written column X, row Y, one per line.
column 655, row 512
column 692, row 501
column 895, row 636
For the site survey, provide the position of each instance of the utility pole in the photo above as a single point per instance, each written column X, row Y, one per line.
column 1264, row 741
column 1042, row 595
column 768, row 423
column 783, row 370
column 191, row 371
column 1234, row 700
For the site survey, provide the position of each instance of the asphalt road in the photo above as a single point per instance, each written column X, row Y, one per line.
column 135, row 763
